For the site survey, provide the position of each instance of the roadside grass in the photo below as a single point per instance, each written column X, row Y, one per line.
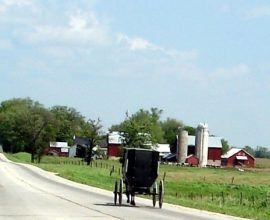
column 228, row 191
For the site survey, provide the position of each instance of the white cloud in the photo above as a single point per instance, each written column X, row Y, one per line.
column 189, row 55
column 239, row 70
column 82, row 27
column 6, row 4
column 136, row 43
column 258, row 11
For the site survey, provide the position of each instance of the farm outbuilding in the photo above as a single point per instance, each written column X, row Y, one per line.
column 214, row 149
column 192, row 160
column 57, row 149
column 79, row 147
column 114, row 141
column 237, row 157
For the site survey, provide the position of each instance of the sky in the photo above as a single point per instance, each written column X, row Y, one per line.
column 198, row 61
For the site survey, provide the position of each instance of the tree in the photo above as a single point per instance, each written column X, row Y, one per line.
column 37, row 130
column 249, row 150
column 262, row 152
column 67, row 122
column 142, row 129
column 225, row 146
column 190, row 130
column 171, row 128
column 25, row 125
column 10, row 127
column 92, row 130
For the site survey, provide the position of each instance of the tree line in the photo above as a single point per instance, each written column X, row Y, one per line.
column 27, row 125
column 258, row 152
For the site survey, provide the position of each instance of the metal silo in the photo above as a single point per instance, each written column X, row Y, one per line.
column 182, row 146
column 201, row 144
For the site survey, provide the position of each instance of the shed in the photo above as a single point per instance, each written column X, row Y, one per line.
column 237, row 157
column 192, row 160
column 79, row 147
column 114, row 140
column 58, row 149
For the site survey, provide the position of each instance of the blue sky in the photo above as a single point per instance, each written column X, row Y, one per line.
column 199, row 61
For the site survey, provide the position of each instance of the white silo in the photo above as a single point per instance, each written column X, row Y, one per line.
column 182, row 146
column 201, row 144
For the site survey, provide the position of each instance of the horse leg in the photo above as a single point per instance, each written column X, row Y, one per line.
column 128, row 196
column 132, row 199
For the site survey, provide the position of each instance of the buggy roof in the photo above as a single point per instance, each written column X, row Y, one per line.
column 140, row 149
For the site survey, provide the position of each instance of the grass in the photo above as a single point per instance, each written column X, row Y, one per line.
column 229, row 191
column 262, row 163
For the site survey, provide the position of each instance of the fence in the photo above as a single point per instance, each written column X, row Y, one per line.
column 258, row 201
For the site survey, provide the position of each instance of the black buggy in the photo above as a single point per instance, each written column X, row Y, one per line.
column 139, row 171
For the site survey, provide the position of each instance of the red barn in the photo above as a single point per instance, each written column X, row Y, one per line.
column 192, row 160
column 214, row 149
column 114, row 141
column 237, row 157
column 58, row 149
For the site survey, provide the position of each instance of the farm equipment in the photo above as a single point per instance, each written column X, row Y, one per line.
column 139, row 175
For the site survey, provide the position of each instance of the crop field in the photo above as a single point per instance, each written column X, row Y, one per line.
column 230, row 191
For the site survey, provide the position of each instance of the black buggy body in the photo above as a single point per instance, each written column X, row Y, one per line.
column 139, row 171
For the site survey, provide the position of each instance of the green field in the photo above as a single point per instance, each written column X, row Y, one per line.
column 229, row 191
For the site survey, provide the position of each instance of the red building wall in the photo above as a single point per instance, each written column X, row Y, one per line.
column 214, row 153
column 113, row 150
column 232, row 161
column 192, row 160
column 55, row 150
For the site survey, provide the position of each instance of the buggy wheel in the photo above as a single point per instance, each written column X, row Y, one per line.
column 160, row 193
column 154, row 194
column 120, row 191
column 115, row 192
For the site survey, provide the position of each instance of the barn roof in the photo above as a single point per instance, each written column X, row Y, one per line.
column 231, row 152
column 234, row 151
column 59, row 144
column 82, row 141
column 212, row 141
column 163, row 148
column 115, row 138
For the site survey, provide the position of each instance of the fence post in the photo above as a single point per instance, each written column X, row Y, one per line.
column 164, row 175
column 212, row 197
column 241, row 198
column 223, row 199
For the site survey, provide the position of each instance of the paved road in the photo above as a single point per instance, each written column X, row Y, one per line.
column 27, row 192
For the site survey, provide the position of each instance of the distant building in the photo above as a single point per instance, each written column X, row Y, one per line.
column 79, row 147
column 114, row 140
column 163, row 149
column 192, row 160
column 58, row 149
column 214, row 149
column 237, row 157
